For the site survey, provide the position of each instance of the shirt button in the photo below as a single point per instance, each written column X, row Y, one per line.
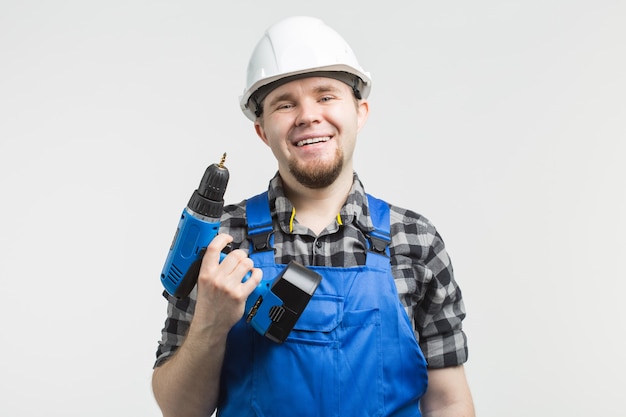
column 318, row 244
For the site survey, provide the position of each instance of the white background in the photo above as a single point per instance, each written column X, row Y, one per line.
column 503, row 122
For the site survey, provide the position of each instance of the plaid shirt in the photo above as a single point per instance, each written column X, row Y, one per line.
column 419, row 262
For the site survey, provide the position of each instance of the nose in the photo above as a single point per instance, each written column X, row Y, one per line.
column 308, row 113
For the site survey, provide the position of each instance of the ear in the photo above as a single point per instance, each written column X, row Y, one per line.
column 258, row 127
column 363, row 111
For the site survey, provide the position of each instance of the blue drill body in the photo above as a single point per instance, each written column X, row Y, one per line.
column 182, row 266
column 199, row 224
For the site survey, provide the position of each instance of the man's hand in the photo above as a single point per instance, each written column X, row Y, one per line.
column 222, row 295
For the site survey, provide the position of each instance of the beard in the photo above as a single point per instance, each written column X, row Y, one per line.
column 318, row 174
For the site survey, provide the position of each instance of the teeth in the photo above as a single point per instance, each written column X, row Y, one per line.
column 313, row 140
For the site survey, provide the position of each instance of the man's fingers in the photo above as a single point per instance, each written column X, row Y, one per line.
column 253, row 281
column 215, row 248
column 228, row 270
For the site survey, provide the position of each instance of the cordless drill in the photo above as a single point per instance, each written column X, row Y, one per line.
column 275, row 305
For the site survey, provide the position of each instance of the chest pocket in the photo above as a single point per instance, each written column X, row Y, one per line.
column 320, row 319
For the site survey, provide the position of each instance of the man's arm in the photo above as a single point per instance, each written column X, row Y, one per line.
column 188, row 383
column 448, row 394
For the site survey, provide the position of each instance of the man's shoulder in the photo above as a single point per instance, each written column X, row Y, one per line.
column 399, row 214
column 234, row 214
column 408, row 225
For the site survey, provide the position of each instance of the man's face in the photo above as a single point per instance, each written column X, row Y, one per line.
column 311, row 125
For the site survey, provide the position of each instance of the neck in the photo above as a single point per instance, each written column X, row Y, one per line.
column 317, row 208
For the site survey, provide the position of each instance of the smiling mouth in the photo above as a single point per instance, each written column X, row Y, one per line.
column 312, row 141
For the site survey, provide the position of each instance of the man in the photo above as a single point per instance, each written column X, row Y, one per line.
column 354, row 351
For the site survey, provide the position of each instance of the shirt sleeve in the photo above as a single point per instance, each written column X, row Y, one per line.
column 179, row 314
column 425, row 280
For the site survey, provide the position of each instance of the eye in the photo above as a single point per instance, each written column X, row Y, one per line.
column 326, row 99
column 284, row 106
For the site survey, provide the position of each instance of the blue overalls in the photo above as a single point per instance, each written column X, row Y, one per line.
column 351, row 353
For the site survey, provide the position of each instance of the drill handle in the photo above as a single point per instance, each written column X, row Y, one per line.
column 191, row 277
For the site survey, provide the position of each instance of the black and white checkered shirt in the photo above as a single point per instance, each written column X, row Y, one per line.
column 420, row 265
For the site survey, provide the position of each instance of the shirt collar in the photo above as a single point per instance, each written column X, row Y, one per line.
column 355, row 209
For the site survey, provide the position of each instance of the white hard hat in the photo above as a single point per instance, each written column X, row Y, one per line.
column 297, row 47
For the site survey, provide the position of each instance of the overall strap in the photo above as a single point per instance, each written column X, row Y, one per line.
column 260, row 231
column 380, row 237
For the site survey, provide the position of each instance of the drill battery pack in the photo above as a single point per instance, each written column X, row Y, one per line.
column 275, row 311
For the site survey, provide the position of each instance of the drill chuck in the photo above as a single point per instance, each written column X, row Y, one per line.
column 208, row 199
